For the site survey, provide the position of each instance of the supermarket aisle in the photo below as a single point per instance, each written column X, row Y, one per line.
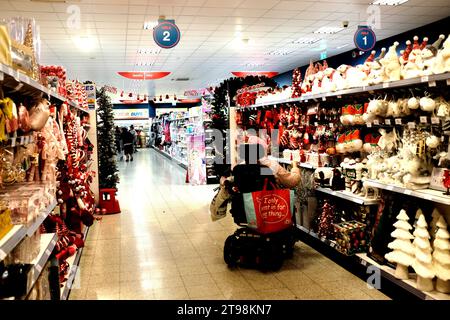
column 164, row 246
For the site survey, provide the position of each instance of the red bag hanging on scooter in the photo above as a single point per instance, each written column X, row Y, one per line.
column 269, row 211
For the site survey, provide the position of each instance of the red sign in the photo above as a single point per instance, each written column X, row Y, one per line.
column 189, row 100
column 243, row 74
column 131, row 101
column 143, row 75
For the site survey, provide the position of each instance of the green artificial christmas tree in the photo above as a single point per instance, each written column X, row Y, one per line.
column 107, row 167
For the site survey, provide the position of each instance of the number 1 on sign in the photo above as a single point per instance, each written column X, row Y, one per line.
column 365, row 40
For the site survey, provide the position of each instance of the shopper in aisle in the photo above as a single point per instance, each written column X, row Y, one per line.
column 134, row 133
column 119, row 142
column 128, row 141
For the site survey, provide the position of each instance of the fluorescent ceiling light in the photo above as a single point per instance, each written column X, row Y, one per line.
column 85, row 43
column 306, row 40
column 343, row 46
column 279, row 52
column 150, row 25
column 329, row 30
column 254, row 65
column 149, row 51
column 389, row 2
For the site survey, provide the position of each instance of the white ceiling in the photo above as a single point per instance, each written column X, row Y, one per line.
column 209, row 48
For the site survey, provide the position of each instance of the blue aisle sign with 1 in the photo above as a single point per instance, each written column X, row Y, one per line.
column 166, row 34
column 364, row 38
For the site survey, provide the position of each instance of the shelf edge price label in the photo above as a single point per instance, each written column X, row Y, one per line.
column 390, row 188
column 423, row 119
column 376, row 122
column 22, row 139
column 39, row 268
column 324, row 99
column 432, row 84
column 2, row 254
column 424, row 79
column 364, row 262
column 332, row 244
column 429, row 197
column 387, row 122
column 408, row 192
column 48, row 252
column 435, row 120
column 411, row 125
column 13, row 142
column 398, row 121
column 386, row 85
column 369, row 125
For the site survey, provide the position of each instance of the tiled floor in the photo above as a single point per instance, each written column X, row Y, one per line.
column 164, row 246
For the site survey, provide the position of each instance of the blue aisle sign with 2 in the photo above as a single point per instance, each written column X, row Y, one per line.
column 166, row 34
column 365, row 38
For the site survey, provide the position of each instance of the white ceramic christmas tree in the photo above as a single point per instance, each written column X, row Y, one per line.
column 402, row 250
column 441, row 257
column 423, row 263
column 436, row 216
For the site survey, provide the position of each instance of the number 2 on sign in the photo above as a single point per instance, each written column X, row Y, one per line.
column 166, row 35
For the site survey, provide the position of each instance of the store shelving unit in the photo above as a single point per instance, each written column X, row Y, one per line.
column 426, row 80
column 19, row 232
column 73, row 261
column 427, row 194
column 386, row 271
column 11, row 240
column 180, row 162
column 23, row 84
column 348, row 196
column 48, row 242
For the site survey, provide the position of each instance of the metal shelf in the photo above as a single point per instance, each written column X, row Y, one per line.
column 18, row 232
column 48, row 242
column 44, row 214
column 427, row 194
column 23, row 84
column 364, row 89
column 11, row 240
column 73, row 261
column 386, row 272
column 348, row 196
column 287, row 161
column 409, row 285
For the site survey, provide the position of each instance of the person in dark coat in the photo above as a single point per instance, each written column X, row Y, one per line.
column 128, row 141
column 119, row 142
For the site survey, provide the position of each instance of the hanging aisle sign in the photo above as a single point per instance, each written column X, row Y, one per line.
column 166, row 34
column 91, row 97
column 365, row 38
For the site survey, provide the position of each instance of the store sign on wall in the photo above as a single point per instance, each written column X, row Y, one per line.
column 91, row 97
column 166, row 34
column 131, row 114
column 365, row 38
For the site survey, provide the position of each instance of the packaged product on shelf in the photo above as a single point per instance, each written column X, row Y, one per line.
column 351, row 237
column 5, row 219
column 27, row 251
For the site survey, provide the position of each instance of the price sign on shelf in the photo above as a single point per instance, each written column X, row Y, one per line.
column 376, row 122
column 369, row 125
column 364, row 262
column 408, row 192
column 2, row 255
column 424, row 79
column 398, row 121
column 387, row 122
column 411, row 125
column 435, row 120
column 385, row 84
column 423, row 119
column 38, row 268
column 166, row 34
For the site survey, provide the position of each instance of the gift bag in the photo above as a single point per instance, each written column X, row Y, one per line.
column 269, row 210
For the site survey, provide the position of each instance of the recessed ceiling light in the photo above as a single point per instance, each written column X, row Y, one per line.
column 329, row 30
column 306, row 40
column 279, row 52
column 150, row 25
column 85, row 43
column 149, row 51
column 254, row 65
column 389, row 2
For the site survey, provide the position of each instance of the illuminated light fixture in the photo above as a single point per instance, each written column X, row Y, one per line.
column 279, row 52
column 329, row 30
column 389, row 2
column 148, row 25
column 149, row 51
column 141, row 75
column 85, row 43
column 343, row 46
column 306, row 40
column 243, row 74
